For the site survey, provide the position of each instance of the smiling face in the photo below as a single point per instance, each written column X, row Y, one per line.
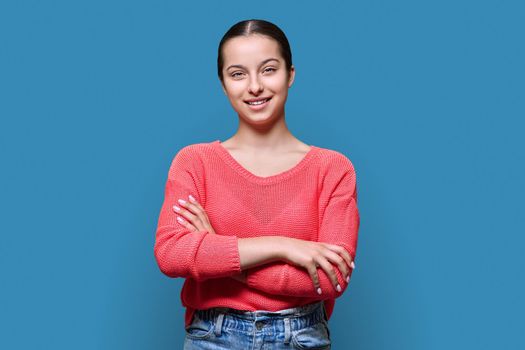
column 255, row 70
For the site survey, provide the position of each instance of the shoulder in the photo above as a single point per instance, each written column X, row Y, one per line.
column 191, row 158
column 334, row 161
column 336, row 172
column 195, row 152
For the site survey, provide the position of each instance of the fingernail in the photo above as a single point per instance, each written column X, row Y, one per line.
column 182, row 201
column 191, row 198
column 319, row 291
column 179, row 219
column 338, row 288
column 176, row 208
column 352, row 265
column 347, row 279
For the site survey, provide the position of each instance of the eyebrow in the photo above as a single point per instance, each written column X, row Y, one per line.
column 263, row 62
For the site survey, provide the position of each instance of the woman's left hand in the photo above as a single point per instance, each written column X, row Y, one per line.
column 195, row 218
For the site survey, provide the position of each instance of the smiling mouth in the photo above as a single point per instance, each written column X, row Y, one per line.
column 258, row 103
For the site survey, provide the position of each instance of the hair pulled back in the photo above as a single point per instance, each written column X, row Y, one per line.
column 256, row 26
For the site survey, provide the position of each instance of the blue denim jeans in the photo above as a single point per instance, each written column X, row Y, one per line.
column 304, row 327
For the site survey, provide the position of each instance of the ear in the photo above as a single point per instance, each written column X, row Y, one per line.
column 292, row 76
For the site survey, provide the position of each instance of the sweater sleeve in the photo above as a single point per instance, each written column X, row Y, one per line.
column 180, row 252
column 339, row 225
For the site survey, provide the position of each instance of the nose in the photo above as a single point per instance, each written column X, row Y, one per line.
column 255, row 85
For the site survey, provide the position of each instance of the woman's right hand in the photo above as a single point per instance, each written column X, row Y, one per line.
column 310, row 255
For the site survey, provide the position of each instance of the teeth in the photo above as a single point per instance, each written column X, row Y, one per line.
column 258, row 102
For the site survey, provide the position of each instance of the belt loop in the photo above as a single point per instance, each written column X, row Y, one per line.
column 287, row 330
column 218, row 324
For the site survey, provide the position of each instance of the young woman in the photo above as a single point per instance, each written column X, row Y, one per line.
column 262, row 226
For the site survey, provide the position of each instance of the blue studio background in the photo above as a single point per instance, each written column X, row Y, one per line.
column 425, row 97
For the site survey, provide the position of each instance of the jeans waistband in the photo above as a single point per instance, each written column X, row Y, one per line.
column 291, row 319
column 255, row 315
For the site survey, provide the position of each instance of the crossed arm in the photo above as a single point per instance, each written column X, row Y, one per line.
column 339, row 226
column 258, row 262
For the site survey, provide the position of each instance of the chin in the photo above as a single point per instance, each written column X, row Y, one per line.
column 265, row 118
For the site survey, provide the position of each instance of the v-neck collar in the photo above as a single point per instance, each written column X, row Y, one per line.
column 228, row 158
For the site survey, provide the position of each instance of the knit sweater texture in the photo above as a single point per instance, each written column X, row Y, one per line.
column 315, row 200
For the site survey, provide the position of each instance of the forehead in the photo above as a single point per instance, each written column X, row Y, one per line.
column 249, row 49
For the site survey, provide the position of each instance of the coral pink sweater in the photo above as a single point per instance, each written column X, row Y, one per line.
column 315, row 200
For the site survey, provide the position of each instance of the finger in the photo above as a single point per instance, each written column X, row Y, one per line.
column 187, row 215
column 194, row 214
column 197, row 204
column 195, row 209
column 201, row 213
column 195, row 217
column 186, row 224
column 337, row 259
column 197, row 221
column 312, row 271
column 328, row 268
column 207, row 227
column 188, row 206
column 343, row 252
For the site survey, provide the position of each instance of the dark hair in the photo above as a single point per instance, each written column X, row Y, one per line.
column 256, row 26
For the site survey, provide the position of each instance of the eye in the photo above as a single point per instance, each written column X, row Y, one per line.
column 270, row 68
column 236, row 74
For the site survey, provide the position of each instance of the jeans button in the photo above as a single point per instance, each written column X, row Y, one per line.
column 259, row 324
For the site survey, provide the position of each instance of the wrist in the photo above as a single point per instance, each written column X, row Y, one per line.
column 274, row 247
column 281, row 247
